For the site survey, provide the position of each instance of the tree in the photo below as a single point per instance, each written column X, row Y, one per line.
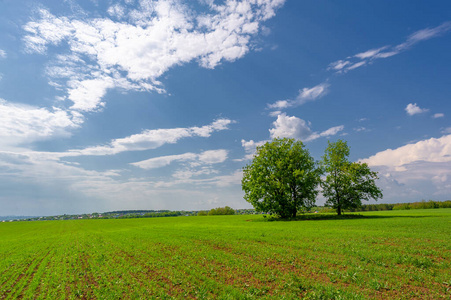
column 221, row 211
column 347, row 183
column 281, row 179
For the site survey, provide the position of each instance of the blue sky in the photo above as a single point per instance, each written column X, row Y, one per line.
column 109, row 105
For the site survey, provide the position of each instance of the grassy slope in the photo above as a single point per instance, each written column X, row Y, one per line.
column 386, row 255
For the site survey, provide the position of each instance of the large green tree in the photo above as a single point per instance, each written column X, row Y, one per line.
column 346, row 183
column 282, row 178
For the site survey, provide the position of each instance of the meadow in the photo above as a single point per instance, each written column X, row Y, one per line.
column 382, row 255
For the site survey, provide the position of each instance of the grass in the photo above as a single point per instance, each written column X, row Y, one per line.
column 374, row 255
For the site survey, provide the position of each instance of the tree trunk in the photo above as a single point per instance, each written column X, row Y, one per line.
column 339, row 210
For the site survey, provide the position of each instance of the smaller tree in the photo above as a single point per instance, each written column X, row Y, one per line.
column 281, row 179
column 221, row 211
column 347, row 183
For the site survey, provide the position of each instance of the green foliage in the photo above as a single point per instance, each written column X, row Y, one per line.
column 374, row 207
column 281, row 179
column 347, row 183
column 423, row 205
column 221, row 211
column 202, row 213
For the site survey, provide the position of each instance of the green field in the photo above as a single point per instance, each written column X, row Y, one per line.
column 384, row 255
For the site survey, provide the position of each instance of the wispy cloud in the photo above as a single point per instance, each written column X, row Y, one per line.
column 2, row 53
column 305, row 95
column 414, row 109
column 206, row 157
column 367, row 57
column 24, row 124
column 133, row 55
column 151, row 139
column 438, row 115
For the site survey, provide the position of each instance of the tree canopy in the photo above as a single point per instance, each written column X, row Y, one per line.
column 282, row 178
column 346, row 183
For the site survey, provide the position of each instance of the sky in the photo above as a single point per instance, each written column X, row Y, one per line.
column 140, row 104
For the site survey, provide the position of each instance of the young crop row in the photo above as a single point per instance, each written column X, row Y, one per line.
column 386, row 255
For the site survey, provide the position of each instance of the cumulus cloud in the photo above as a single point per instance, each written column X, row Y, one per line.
column 206, row 157
column 414, row 109
column 134, row 54
column 305, row 95
column 151, row 139
column 431, row 150
column 367, row 57
column 22, row 124
column 415, row 171
column 293, row 127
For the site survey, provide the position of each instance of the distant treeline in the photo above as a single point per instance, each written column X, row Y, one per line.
column 152, row 214
column 397, row 206
column 217, row 211
column 135, row 211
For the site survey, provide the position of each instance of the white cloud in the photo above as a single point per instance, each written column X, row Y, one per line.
column 311, row 94
column 250, row 147
column 438, row 115
column 338, row 65
column 356, row 65
column 159, row 35
column 206, row 157
column 290, row 127
column 219, row 181
column 361, row 128
column 24, row 124
column 185, row 174
column 151, row 139
column 87, row 94
column 33, row 182
column 370, row 53
column 329, row 132
column 275, row 113
column 305, row 95
column 431, row 150
column 280, row 104
column 424, row 34
column 367, row 57
column 293, row 127
column 414, row 109
column 213, row 156
column 163, row 161
column 117, row 11
column 415, row 171
column 48, row 30
column 2, row 53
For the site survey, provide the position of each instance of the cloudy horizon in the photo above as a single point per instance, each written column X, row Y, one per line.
column 159, row 104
